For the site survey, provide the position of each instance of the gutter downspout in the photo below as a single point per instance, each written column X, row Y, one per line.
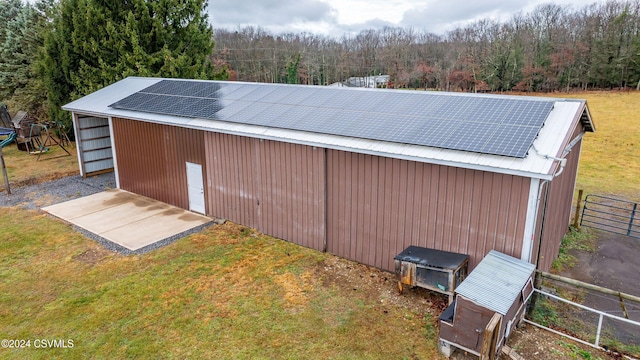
column 565, row 152
column 562, row 162
column 325, row 197
column 537, row 282
column 546, row 183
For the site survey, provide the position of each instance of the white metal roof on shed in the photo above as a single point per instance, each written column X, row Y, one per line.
column 496, row 282
column 558, row 125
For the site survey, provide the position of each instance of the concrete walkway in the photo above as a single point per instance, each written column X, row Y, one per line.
column 129, row 220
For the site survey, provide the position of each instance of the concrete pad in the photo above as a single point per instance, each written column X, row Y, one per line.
column 118, row 215
column 147, row 230
column 126, row 219
column 92, row 204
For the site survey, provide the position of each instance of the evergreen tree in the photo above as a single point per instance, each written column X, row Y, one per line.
column 19, row 48
column 292, row 70
column 9, row 9
column 94, row 43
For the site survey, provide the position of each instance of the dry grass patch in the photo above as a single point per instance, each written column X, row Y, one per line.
column 24, row 169
column 610, row 158
column 226, row 292
column 295, row 287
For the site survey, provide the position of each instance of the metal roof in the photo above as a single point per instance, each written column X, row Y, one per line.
column 497, row 281
column 501, row 126
column 558, row 125
column 431, row 257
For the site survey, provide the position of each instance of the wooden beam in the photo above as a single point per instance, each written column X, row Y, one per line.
column 585, row 285
column 4, row 173
column 576, row 218
column 511, row 353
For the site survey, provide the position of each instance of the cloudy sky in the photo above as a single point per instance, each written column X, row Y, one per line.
column 336, row 17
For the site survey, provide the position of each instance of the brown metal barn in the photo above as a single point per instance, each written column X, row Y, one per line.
column 359, row 173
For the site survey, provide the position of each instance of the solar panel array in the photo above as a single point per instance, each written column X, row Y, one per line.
column 489, row 125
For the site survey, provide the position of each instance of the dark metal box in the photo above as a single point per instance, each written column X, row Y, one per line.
column 436, row 270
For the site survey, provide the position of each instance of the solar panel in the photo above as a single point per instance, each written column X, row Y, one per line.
column 484, row 124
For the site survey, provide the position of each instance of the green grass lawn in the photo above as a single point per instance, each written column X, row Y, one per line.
column 224, row 293
column 610, row 158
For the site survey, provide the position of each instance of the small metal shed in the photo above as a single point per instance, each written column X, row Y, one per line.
column 488, row 304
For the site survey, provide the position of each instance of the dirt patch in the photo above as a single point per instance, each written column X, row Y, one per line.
column 615, row 263
column 377, row 284
column 616, row 258
column 531, row 342
column 92, row 256
column 528, row 341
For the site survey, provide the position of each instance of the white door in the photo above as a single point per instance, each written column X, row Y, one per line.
column 195, row 186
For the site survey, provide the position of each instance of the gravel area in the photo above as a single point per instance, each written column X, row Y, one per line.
column 156, row 245
column 34, row 197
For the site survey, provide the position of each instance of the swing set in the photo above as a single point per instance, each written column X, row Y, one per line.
column 29, row 135
column 39, row 146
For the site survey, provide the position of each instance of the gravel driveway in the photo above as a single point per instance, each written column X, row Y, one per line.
column 52, row 192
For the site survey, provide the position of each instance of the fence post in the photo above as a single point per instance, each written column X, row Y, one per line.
column 597, row 343
column 633, row 215
column 576, row 223
column 4, row 173
column 624, row 309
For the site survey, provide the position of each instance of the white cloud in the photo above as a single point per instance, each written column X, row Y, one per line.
column 269, row 13
column 335, row 17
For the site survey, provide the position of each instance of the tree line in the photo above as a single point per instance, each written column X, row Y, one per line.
column 55, row 51
column 552, row 48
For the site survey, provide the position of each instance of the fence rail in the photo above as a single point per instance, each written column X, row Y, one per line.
column 595, row 327
column 613, row 215
column 601, row 315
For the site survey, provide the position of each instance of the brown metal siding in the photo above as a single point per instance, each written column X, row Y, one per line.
column 275, row 187
column 152, row 159
column 556, row 221
column 231, row 178
column 377, row 206
column 292, row 192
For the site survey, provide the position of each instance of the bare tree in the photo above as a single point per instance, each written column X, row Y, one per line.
column 551, row 48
